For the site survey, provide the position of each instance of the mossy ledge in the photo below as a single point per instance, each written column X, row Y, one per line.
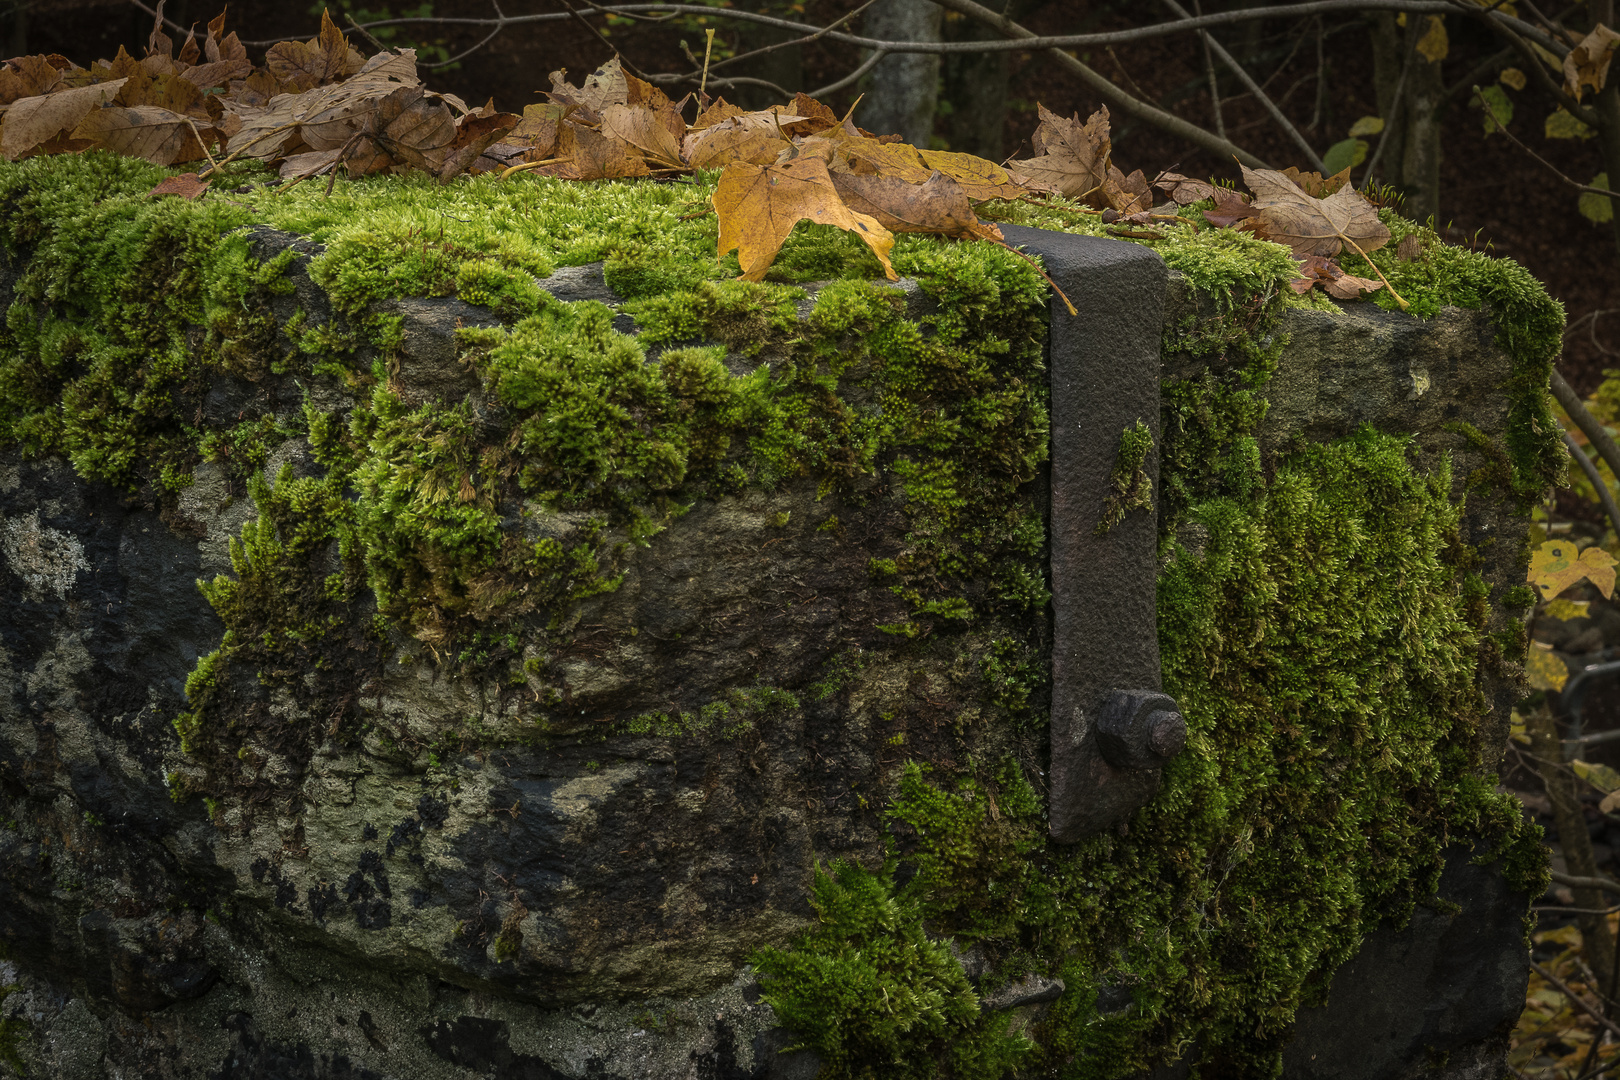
column 772, row 554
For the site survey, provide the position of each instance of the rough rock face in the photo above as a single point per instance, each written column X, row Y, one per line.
column 563, row 907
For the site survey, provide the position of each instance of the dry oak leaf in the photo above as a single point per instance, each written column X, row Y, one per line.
column 1587, row 64
column 186, row 186
column 32, row 121
column 158, row 135
column 758, row 206
column 1071, row 157
column 939, row 205
column 1312, row 226
column 1556, row 565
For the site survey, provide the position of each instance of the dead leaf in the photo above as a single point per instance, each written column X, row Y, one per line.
column 1434, row 45
column 1071, row 157
column 1587, row 64
column 982, row 180
column 324, row 117
column 642, row 128
column 1312, row 226
column 475, row 133
column 25, row 77
column 314, row 162
column 1230, row 207
column 723, row 143
column 158, row 135
column 1350, row 287
column 938, row 205
column 758, row 206
column 1409, row 248
column 1127, row 194
column 31, row 121
column 594, row 156
column 1315, row 184
column 322, row 59
column 1184, row 190
column 414, row 128
column 603, row 87
column 186, row 186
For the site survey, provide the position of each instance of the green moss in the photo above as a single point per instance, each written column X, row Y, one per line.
column 1129, row 486
column 874, row 995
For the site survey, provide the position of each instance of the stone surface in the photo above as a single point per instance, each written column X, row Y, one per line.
column 343, row 918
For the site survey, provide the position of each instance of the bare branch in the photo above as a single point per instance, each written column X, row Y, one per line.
column 1584, row 189
column 852, row 78
column 1063, row 41
column 1214, row 81
column 1151, row 114
column 1590, row 426
column 1254, row 88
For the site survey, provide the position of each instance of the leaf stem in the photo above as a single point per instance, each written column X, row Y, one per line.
column 1039, row 270
column 1380, row 273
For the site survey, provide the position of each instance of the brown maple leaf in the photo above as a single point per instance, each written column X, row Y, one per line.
column 758, row 206
column 1071, row 157
column 25, row 77
column 603, row 87
column 1312, row 226
column 322, row 59
column 1315, row 184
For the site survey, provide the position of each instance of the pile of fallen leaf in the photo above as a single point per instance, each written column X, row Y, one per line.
column 314, row 107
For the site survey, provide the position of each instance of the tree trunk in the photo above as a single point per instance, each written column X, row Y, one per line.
column 1388, row 53
column 1425, row 92
column 17, row 32
column 903, row 89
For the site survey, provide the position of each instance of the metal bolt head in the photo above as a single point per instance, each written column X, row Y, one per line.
column 1140, row 729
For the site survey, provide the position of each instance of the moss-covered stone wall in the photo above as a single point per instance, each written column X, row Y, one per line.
column 567, row 640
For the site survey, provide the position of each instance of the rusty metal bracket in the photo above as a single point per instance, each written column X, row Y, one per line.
column 1112, row 727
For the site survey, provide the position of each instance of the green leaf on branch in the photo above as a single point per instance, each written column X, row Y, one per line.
column 1598, row 209
column 1367, row 125
column 1345, row 154
column 1498, row 108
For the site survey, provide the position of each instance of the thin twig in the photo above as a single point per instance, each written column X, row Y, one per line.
column 1254, row 88
column 1575, row 999
column 193, row 125
column 1605, row 496
column 852, row 78
column 1585, row 189
column 1059, row 41
column 1603, row 883
column 1214, row 80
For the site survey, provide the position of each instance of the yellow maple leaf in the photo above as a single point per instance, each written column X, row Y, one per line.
column 1544, row 670
column 1556, row 565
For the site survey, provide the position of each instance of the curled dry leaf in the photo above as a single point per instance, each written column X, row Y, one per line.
column 1230, row 207
column 1184, row 190
column 758, row 206
column 938, row 205
column 1587, row 64
column 27, row 76
column 32, row 121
